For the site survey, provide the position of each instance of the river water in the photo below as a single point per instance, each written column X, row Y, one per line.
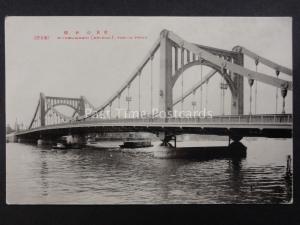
column 111, row 176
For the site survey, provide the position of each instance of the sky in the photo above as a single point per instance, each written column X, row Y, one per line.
column 97, row 68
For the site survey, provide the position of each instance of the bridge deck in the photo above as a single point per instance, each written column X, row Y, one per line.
column 263, row 121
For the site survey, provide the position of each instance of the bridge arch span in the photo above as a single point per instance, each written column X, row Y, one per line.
column 62, row 104
column 225, row 75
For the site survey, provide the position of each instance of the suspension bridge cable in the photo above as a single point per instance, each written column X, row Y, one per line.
column 255, row 106
column 139, row 94
column 110, row 110
column 181, row 92
column 221, row 96
column 128, row 99
column 119, row 105
column 194, row 102
column 201, row 78
column 182, row 63
column 151, row 73
column 250, row 81
column 206, row 94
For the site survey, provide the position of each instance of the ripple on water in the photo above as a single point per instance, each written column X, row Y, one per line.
column 134, row 176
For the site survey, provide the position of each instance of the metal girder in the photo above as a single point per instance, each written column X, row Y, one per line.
column 49, row 102
column 195, row 87
column 264, row 78
column 265, row 61
column 88, row 102
column 217, row 51
column 37, row 109
column 62, row 98
column 54, row 110
column 131, row 78
column 264, row 121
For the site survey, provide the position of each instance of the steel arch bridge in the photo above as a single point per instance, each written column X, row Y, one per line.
column 176, row 55
column 46, row 114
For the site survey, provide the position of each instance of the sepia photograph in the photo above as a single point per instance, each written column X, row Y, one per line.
column 114, row 110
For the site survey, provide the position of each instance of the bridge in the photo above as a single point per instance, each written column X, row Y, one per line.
column 175, row 56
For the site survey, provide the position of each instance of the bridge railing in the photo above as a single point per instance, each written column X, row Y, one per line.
column 268, row 119
column 230, row 119
column 261, row 119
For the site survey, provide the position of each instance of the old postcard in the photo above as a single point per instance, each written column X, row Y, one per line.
column 149, row 110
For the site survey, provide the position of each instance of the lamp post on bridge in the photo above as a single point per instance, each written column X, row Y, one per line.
column 283, row 94
column 250, row 81
column 277, row 74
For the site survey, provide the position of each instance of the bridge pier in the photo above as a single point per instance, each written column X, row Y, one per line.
column 167, row 137
column 236, row 148
column 167, row 151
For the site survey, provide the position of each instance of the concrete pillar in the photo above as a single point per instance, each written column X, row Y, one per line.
column 42, row 110
column 165, row 91
column 237, row 99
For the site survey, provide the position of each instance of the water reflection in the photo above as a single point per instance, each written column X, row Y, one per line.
column 235, row 175
column 110, row 176
column 44, row 172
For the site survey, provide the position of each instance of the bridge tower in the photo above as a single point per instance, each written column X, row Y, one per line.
column 237, row 99
column 165, row 76
column 81, row 106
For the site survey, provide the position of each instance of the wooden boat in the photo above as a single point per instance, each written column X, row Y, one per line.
column 59, row 146
column 62, row 144
column 136, row 144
